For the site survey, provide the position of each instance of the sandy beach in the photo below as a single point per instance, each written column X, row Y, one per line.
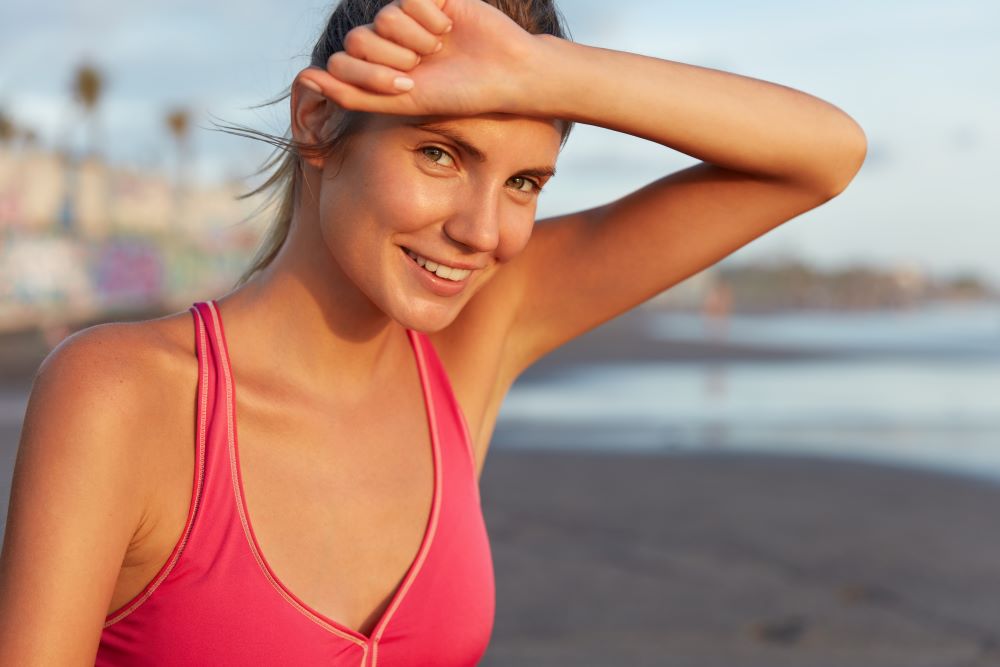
column 705, row 560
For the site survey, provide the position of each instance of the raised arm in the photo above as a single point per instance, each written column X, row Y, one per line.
column 769, row 153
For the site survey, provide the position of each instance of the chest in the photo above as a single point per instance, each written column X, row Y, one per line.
column 338, row 496
column 366, row 513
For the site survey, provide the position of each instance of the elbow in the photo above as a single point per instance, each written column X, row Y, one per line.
column 833, row 165
column 846, row 159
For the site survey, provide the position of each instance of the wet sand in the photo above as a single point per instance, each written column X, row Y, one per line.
column 739, row 561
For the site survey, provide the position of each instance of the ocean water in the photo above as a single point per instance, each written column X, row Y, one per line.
column 918, row 388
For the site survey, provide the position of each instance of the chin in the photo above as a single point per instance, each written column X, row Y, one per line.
column 427, row 318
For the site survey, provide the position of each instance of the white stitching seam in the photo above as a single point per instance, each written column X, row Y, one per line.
column 196, row 496
column 438, row 485
column 224, row 353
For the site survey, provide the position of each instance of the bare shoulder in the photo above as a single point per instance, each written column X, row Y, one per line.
column 114, row 393
column 84, row 477
column 122, row 384
column 117, row 369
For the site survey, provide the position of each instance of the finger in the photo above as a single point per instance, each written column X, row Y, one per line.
column 368, row 76
column 428, row 14
column 362, row 42
column 351, row 97
column 394, row 24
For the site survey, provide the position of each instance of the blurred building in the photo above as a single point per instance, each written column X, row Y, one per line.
column 80, row 237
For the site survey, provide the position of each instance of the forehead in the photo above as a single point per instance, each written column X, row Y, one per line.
column 492, row 134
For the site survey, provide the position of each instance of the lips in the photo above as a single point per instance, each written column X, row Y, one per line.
column 443, row 287
column 452, row 273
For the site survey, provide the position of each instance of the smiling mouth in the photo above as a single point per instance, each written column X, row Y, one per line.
column 440, row 270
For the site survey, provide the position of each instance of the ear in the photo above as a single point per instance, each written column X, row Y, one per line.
column 311, row 113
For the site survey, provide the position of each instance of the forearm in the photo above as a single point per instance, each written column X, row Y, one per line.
column 733, row 121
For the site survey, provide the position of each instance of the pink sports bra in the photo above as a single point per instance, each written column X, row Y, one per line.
column 216, row 601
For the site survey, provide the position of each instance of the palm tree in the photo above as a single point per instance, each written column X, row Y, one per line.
column 179, row 124
column 88, row 85
column 7, row 129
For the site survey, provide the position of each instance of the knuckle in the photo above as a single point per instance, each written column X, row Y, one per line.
column 387, row 76
column 388, row 18
column 347, row 101
column 337, row 61
column 353, row 40
column 427, row 46
column 337, row 94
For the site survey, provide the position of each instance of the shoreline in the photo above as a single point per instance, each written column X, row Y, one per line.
column 623, row 339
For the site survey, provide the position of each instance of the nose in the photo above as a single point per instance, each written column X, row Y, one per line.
column 476, row 223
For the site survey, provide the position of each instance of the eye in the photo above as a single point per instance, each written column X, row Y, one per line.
column 524, row 184
column 438, row 155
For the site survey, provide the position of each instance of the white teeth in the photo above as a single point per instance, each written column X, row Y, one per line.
column 417, row 258
column 440, row 270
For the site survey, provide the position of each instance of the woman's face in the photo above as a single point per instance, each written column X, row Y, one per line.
column 457, row 195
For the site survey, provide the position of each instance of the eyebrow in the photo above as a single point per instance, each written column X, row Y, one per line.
column 448, row 132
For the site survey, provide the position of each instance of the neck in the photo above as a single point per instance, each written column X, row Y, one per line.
column 307, row 318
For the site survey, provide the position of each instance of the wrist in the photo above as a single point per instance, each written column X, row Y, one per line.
column 542, row 69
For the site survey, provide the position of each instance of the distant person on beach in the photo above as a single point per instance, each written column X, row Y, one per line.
column 716, row 309
column 288, row 475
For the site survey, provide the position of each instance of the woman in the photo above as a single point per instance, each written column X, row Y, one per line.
column 342, row 414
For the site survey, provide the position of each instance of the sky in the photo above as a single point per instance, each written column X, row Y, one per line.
column 920, row 77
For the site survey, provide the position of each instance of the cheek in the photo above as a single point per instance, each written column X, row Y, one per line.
column 348, row 231
column 515, row 232
column 409, row 202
